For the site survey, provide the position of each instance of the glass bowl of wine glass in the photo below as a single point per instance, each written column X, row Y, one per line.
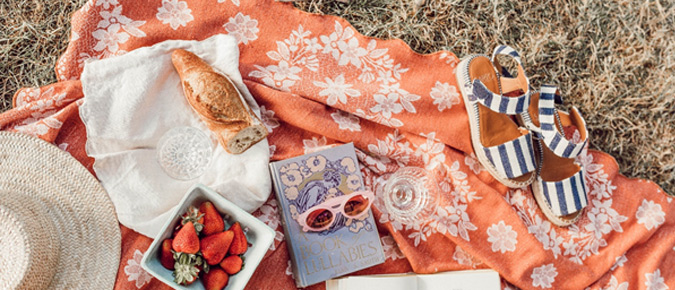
column 411, row 195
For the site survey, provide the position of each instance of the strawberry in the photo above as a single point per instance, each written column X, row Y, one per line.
column 165, row 255
column 239, row 244
column 187, row 268
column 213, row 222
column 186, row 240
column 232, row 264
column 214, row 247
column 216, row 279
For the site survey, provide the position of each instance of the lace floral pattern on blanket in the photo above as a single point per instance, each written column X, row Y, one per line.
column 301, row 52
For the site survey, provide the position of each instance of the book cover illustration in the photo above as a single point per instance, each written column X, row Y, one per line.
column 348, row 245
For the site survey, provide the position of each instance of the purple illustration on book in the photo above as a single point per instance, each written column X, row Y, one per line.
column 316, row 191
column 316, row 179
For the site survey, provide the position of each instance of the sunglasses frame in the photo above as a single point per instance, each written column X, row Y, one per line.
column 335, row 205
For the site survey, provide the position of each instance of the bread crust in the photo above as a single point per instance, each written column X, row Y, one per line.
column 218, row 102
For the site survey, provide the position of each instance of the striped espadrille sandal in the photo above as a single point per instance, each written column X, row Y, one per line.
column 559, row 188
column 502, row 147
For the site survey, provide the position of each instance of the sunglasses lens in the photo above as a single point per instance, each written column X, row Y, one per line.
column 356, row 205
column 319, row 218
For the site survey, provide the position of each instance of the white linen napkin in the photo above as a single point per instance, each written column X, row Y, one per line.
column 130, row 101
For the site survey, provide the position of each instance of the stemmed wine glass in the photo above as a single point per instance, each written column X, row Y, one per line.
column 184, row 152
column 411, row 195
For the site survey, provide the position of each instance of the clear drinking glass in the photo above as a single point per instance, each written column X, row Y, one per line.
column 184, row 152
column 411, row 195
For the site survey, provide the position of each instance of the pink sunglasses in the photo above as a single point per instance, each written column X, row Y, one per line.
column 321, row 216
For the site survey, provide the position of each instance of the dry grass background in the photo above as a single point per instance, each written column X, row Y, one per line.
column 33, row 35
column 614, row 60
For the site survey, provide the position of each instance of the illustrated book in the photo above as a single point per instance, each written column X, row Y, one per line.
column 348, row 245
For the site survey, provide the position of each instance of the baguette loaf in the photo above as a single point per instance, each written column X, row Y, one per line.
column 218, row 102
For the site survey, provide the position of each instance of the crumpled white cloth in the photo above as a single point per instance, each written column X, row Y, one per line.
column 130, row 101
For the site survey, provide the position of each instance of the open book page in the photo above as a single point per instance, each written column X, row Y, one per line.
column 454, row 280
column 460, row 280
column 386, row 281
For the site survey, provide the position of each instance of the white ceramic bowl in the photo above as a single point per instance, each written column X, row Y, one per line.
column 257, row 233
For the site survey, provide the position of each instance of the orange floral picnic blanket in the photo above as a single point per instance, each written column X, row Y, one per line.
column 319, row 82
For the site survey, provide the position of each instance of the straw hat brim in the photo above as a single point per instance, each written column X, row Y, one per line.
column 79, row 207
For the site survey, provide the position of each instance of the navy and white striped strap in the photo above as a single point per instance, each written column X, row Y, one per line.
column 508, row 51
column 498, row 102
column 566, row 196
column 513, row 158
column 508, row 81
column 554, row 139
